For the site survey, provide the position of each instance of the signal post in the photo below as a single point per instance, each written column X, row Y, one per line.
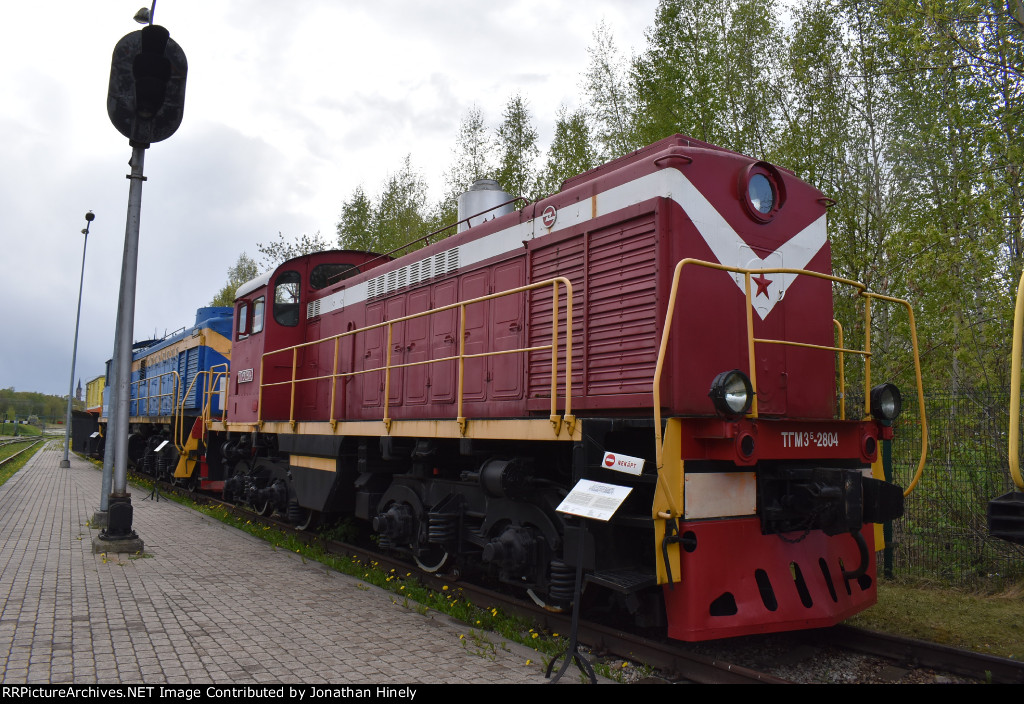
column 145, row 102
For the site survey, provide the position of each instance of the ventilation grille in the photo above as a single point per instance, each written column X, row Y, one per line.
column 438, row 265
column 313, row 308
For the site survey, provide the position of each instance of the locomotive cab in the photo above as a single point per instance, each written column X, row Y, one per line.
column 270, row 316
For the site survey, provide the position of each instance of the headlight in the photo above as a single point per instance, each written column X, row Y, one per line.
column 732, row 393
column 761, row 193
column 886, row 402
column 762, row 190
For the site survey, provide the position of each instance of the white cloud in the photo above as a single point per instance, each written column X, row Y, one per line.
column 289, row 107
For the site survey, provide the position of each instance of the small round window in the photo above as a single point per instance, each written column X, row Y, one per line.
column 762, row 191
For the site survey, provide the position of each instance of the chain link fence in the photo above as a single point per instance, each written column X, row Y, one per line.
column 943, row 535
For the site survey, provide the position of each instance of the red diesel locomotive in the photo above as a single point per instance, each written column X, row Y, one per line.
column 673, row 307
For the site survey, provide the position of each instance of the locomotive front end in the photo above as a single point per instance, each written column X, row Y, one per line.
column 769, row 487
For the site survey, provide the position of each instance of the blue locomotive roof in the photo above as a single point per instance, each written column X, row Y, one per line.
column 216, row 318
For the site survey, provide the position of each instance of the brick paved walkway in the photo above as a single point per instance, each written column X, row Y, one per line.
column 206, row 604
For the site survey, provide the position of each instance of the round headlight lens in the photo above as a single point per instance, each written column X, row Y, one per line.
column 762, row 190
column 761, row 193
column 886, row 402
column 732, row 393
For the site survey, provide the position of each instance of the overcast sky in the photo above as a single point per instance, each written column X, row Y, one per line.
column 289, row 107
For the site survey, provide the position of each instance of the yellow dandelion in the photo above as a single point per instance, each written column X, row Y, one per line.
column 462, row 637
column 625, row 664
column 529, row 662
column 444, row 588
column 535, row 635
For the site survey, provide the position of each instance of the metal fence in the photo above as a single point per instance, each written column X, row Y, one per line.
column 943, row 535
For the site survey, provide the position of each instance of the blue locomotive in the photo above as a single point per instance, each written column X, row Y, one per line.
column 176, row 382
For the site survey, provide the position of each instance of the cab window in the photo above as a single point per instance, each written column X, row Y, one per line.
column 243, row 321
column 257, row 315
column 324, row 275
column 286, row 299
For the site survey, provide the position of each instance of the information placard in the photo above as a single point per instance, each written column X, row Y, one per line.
column 594, row 500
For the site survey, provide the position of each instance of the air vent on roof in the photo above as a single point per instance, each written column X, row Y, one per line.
column 438, row 265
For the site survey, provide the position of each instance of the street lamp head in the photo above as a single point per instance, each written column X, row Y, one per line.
column 144, row 16
column 89, row 217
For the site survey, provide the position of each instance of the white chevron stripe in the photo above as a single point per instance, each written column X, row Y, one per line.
column 725, row 243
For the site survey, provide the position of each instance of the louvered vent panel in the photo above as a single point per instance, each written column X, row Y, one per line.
column 413, row 274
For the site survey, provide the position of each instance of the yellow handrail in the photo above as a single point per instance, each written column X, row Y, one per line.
column 555, row 418
column 842, row 370
column 213, row 377
column 217, row 375
column 179, row 440
column 751, row 341
column 920, row 386
column 1018, row 329
column 148, row 397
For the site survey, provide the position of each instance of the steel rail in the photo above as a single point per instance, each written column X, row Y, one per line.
column 920, row 653
column 20, row 452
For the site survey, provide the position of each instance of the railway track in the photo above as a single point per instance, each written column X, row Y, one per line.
column 842, row 653
column 923, row 654
column 5, row 442
column 34, row 442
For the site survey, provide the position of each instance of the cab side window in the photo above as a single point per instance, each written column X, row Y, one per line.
column 323, row 275
column 257, row 315
column 243, row 321
column 286, row 299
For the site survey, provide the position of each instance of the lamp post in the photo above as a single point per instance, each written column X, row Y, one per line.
column 66, row 463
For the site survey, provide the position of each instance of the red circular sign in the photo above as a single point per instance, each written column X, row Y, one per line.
column 609, row 461
column 548, row 216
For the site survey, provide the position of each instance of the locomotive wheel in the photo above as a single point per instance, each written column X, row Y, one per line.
column 542, row 603
column 308, row 520
column 433, row 560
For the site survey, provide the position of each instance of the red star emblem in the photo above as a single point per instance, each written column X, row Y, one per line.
column 762, row 285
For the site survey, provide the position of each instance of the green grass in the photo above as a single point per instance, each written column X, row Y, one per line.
column 8, row 429
column 7, row 471
column 983, row 623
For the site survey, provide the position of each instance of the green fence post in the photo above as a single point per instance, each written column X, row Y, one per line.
column 887, row 553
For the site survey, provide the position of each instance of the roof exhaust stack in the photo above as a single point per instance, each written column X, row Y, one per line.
column 481, row 203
